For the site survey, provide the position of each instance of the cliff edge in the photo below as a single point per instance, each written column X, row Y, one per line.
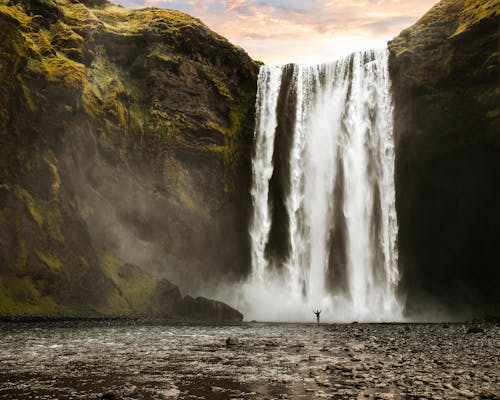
column 445, row 78
column 125, row 141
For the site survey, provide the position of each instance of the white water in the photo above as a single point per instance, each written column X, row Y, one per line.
column 342, row 135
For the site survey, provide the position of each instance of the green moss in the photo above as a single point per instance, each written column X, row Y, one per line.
column 493, row 114
column 110, row 265
column 234, row 142
column 80, row 15
column 5, row 215
column 19, row 295
column 49, row 260
column 83, row 262
column 27, row 95
column 32, row 206
column 134, row 285
column 16, row 13
column 45, row 213
column 13, row 55
column 38, row 67
column 115, row 305
column 119, row 101
column 65, row 39
column 221, row 87
column 474, row 12
column 168, row 58
column 161, row 21
column 91, row 102
column 403, row 52
column 53, row 222
column 22, row 252
column 62, row 69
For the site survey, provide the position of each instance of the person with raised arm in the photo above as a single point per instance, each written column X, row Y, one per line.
column 317, row 313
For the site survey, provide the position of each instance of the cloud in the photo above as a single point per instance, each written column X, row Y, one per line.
column 268, row 29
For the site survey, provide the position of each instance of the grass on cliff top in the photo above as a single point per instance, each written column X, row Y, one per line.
column 16, row 13
column 125, row 21
column 449, row 18
column 474, row 12
column 43, row 59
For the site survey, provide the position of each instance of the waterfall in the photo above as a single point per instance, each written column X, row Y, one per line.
column 324, row 227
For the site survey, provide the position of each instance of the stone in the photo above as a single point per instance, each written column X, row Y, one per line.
column 475, row 329
column 465, row 393
column 232, row 341
column 129, row 390
column 169, row 394
column 110, row 396
column 206, row 309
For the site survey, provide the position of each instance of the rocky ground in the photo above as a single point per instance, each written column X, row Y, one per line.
column 116, row 359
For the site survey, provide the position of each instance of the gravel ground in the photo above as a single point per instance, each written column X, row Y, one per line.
column 116, row 360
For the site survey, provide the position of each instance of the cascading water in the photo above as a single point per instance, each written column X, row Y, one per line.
column 324, row 225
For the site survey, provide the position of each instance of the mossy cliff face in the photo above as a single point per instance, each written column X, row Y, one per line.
column 124, row 140
column 447, row 123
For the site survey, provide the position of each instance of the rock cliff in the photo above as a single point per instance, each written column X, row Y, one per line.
column 447, row 126
column 125, row 141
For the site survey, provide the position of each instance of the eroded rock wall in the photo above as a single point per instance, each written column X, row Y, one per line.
column 125, row 140
column 445, row 78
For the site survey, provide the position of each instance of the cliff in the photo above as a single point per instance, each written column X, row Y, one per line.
column 125, row 142
column 445, row 75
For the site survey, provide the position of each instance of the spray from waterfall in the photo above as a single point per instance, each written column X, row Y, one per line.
column 324, row 227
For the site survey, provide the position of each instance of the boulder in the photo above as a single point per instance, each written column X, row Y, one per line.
column 232, row 341
column 169, row 394
column 475, row 329
column 110, row 396
column 209, row 310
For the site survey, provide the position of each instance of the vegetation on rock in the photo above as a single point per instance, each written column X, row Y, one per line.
column 111, row 122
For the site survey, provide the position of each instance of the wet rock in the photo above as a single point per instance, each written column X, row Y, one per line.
column 465, row 393
column 110, row 396
column 212, row 310
column 232, row 341
column 169, row 394
column 129, row 390
column 428, row 364
column 475, row 329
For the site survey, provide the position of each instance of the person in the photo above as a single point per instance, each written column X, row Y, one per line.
column 317, row 313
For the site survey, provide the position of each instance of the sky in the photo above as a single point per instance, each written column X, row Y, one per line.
column 301, row 31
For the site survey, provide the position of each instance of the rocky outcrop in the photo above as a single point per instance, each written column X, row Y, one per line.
column 125, row 140
column 447, row 122
column 209, row 310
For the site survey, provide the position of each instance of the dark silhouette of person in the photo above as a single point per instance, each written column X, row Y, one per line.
column 317, row 313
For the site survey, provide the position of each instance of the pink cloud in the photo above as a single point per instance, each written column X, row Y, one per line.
column 265, row 27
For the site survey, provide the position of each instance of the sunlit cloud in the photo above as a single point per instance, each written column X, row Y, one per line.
column 306, row 31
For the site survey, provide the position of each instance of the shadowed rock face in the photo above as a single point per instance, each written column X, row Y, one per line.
column 447, row 122
column 209, row 310
column 125, row 140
